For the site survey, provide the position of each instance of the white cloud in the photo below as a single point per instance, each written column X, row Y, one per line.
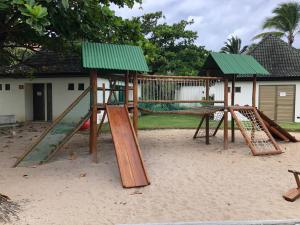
column 215, row 20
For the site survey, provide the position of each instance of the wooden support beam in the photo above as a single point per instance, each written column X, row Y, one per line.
column 293, row 193
column 225, row 114
column 232, row 104
column 180, row 101
column 135, row 104
column 218, row 126
column 126, row 89
column 93, row 118
column 198, row 128
column 266, row 130
column 254, row 91
column 104, row 111
column 207, row 115
column 239, row 124
column 142, row 76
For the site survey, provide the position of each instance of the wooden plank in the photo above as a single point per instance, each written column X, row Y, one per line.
column 292, row 195
column 248, row 141
column 218, row 126
column 179, row 77
column 254, row 91
column 131, row 166
column 225, row 114
column 135, row 104
column 198, row 128
column 181, row 112
column 232, row 104
column 266, row 130
column 207, row 115
column 179, row 101
column 93, row 118
column 126, row 89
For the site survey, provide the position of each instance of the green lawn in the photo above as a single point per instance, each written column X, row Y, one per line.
column 155, row 121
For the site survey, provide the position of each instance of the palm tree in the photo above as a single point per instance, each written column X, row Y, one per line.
column 285, row 22
column 233, row 45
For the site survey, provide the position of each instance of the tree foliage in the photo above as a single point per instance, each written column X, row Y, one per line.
column 30, row 24
column 285, row 22
column 170, row 48
column 233, row 45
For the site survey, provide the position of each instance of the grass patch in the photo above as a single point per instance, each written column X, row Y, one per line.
column 172, row 121
column 295, row 127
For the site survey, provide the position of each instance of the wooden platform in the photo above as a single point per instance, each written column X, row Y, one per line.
column 131, row 166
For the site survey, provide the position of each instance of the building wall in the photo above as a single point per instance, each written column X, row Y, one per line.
column 18, row 101
column 242, row 98
column 245, row 96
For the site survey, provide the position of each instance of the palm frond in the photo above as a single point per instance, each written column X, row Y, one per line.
column 265, row 34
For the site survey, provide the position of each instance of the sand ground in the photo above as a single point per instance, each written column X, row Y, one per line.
column 189, row 181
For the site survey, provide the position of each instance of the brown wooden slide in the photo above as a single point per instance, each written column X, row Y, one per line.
column 277, row 131
column 131, row 165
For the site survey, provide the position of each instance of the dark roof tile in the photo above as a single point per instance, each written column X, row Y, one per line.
column 280, row 59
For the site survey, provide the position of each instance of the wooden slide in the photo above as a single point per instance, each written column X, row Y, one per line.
column 277, row 131
column 131, row 166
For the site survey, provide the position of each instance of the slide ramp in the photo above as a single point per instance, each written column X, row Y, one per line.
column 131, row 165
column 277, row 131
column 58, row 133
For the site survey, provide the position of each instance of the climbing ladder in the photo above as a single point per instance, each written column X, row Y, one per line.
column 254, row 130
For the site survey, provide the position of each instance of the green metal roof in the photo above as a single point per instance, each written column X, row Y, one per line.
column 113, row 57
column 234, row 64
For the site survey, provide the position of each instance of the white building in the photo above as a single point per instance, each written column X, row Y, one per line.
column 43, row 95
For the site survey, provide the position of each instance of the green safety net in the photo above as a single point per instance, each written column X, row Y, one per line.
column 59, row 132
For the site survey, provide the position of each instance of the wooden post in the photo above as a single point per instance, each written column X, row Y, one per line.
column 207, row 115
column 135, row 103
column 232, row 104
column 254, row 92
column 103, row 94
column 126, row 90
column 225, row 114
column 93, row 118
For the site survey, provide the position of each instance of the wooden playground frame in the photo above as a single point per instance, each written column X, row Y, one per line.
column 131, row 82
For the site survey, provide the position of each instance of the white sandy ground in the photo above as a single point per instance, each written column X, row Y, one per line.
column 189, row 181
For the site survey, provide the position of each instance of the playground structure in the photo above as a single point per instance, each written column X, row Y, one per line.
column 154, row 94
column 294, row 193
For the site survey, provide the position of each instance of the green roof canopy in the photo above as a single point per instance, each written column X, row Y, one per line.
column 243, row 65
column 113, row 57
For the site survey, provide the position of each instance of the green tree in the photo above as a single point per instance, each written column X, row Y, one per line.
column 27, row 25
column 233, row 45
column 285, row 22
column 170, row 48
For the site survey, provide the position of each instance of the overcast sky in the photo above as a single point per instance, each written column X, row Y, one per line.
column 215, row 20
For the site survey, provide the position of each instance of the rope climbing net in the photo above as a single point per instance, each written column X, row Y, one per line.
column 185, row 94
column 255, row 132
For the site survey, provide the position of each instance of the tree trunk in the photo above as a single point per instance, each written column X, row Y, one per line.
column 290, row 39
